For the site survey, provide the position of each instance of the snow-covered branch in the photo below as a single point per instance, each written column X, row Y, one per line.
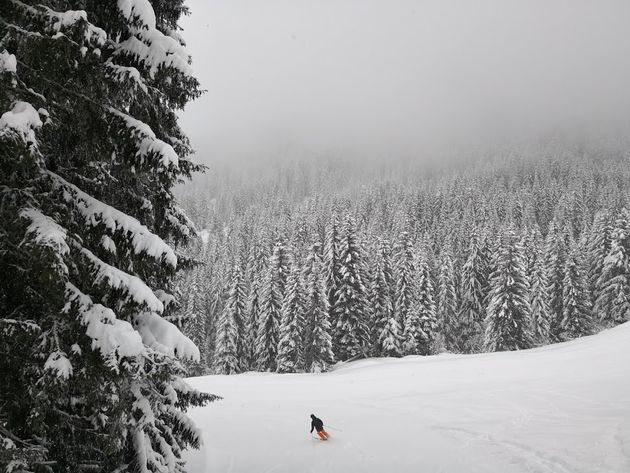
column 147, row 143
column 109, row 334
column 133, row 287
column 95, row 213
column 22, row 120
column 150, row 46
column 164, row 337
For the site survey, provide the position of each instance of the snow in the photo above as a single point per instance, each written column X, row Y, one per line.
column 133, row 286
column 153, row 145
column 67, row 19
column 140, row 446
column 204, row 235
column 164, row 297
column 120, row 73
column 8, row 444
column 8, row 63
column 45, row 231
column 147, row 142
column 59, row 364
column 562, row 408
column 163, row 336
column 141, row 9
column 22, row 119
column 109, row 335
column 96, row 212
column 149, row 45
column 108, row 244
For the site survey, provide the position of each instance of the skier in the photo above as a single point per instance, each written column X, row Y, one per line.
column 318, row 425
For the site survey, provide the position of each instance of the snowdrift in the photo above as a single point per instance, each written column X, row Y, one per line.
column 563, row 408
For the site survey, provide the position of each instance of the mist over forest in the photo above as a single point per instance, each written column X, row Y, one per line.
column 388, row 165
column 382, row 80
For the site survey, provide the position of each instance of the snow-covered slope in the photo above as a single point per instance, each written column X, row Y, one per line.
column 563, row 408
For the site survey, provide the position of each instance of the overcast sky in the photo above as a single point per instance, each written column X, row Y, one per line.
column 390, row 77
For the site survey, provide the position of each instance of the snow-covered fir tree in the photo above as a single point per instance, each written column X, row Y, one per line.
column 350, row 331
column 532, row 242
column 228, row 351
column 539, row 303
column 271, row 307
column 597, row 248
column 391, row 339
column 256, row 269
column 404, row 273
column 508, row 312
column 90, row 150
column 332, row 268
column 380, row 296
column 318, row 352
column 613, row 285
column 425, row 305
column 446, row 307
column 576, row 304
column 474, row 289
column 555, row 257
column 290, row 345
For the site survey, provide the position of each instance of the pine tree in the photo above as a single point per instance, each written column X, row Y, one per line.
column 192, row 315
column 598, row 247
column 425, row 307
column 446, row 309
column 332, row 267
column 318, row 355
column 508, row 313
column 290, row 345
column 227, row 357
column 380, row 296
column 555, row 256
column 90, row 151
column 256, row 271
column 271, row 307
column 474, row 289
column 391, row 339
column 539, row 303
column 532, row 242
column 350, row 332
column 576, row 305
column 404, row 295
column 613, row 285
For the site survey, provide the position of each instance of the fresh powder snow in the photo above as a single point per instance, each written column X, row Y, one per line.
column 562, row 408
column 22, row 119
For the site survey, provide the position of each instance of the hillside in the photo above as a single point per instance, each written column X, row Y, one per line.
column 560, row 408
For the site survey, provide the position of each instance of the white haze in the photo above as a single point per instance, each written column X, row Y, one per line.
column 396, row 78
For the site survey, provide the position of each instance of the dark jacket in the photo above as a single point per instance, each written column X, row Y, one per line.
column 316, row 424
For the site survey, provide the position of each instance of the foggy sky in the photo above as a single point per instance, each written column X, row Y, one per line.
column 395, row 77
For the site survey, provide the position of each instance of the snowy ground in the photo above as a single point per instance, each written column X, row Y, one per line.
column 563, row 408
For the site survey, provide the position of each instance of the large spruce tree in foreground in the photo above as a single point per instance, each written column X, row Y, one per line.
column 90, row 150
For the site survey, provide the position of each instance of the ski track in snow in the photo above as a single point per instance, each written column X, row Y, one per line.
column 558, row 409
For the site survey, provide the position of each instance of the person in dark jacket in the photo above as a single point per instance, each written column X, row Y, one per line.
column 318, row 425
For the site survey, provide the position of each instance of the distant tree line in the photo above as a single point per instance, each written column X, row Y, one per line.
column 505, row 254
